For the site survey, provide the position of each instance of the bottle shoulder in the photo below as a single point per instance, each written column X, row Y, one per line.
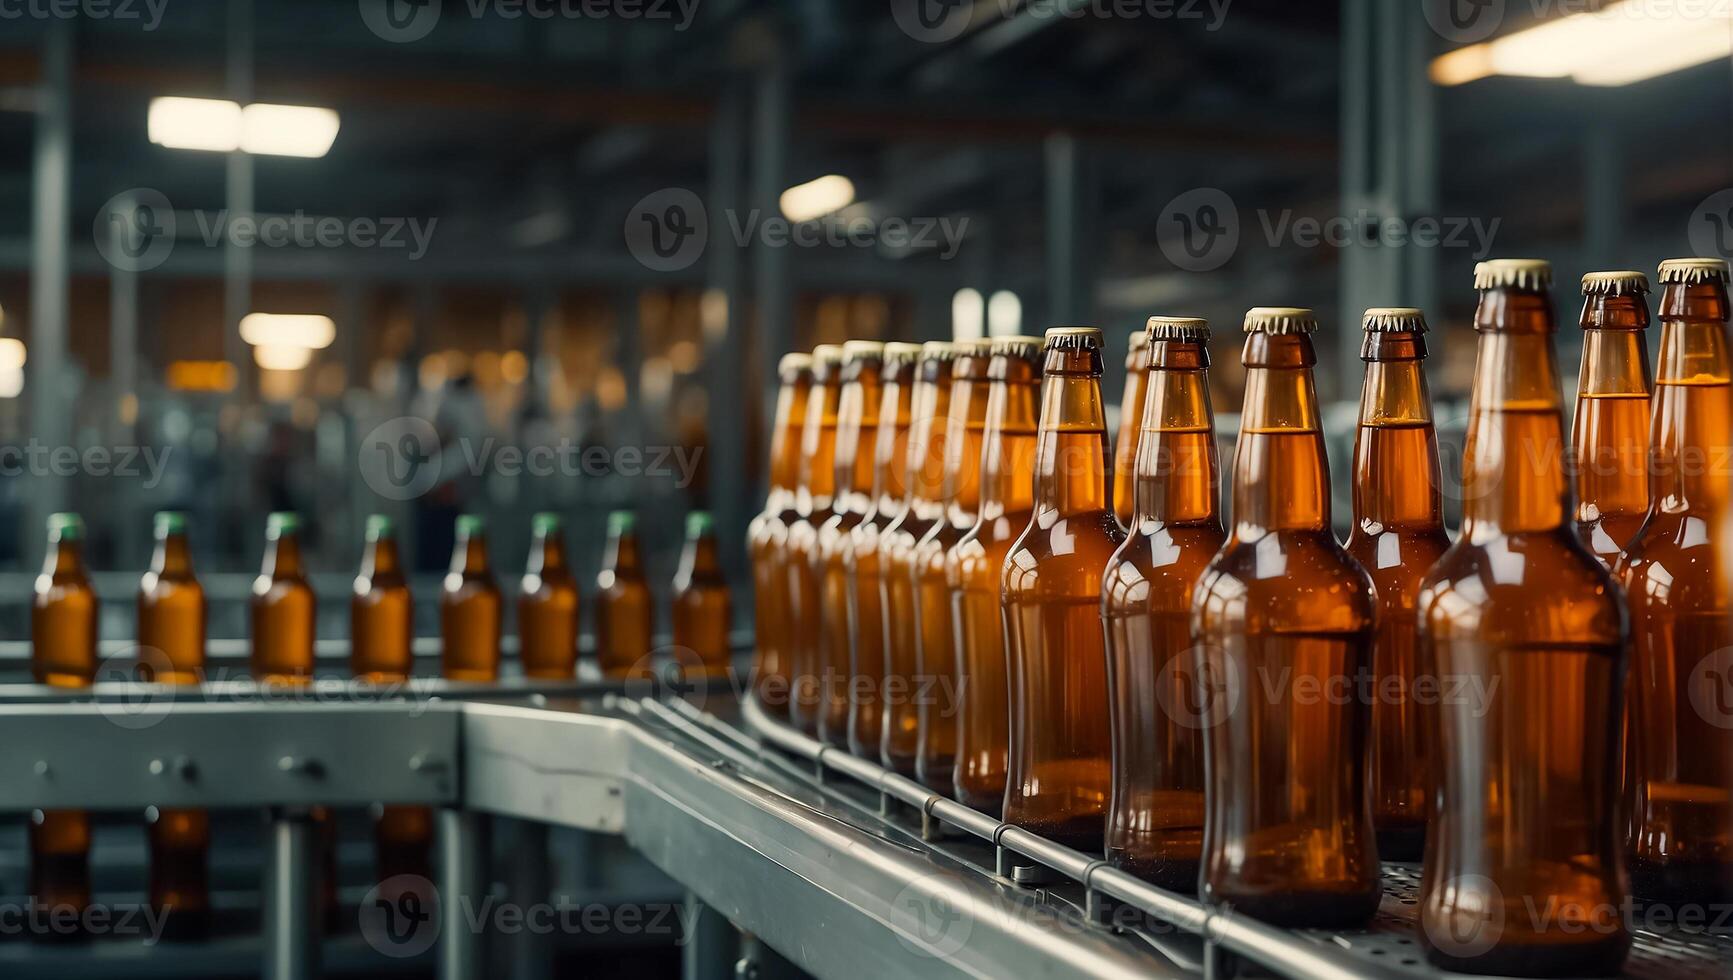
column 1063, row 556
column 1286, row 582
column 1527, row 589
column 1673, row 563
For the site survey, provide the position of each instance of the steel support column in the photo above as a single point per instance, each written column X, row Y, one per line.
column 711, row 945
column 463, row 883
column 1067, row 288
column 732, row 483
column 50, row 275
column 239, row 200
column 291, row 939
column 769, row 180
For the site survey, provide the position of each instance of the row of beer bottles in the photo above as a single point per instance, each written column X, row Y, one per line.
column 962, row 603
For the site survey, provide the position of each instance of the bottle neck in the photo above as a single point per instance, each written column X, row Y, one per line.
column 1010, row 437
column 1610, row 435
column 172, row 557
column 547, row 555
column 1396, row 436
column 469, row 557
column 1513, row 470
column 965, row 428
column 785, row 437
column 1693, row 415
column 65, row 557
column 856, row 429
column 1176, row 476
column 622, row 556
column 1281, row 474
column 1071, row 444
column 283, row 556
column 379, row 558
column 818, row 448
column 891, row 450
column 699, row 560
column 927, row 446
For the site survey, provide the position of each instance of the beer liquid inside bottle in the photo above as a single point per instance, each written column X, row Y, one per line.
column 814, row 499
column 1526, row 627
column 865, row 573
column 1156, row 810
column 624, row 616
column 283, row 608
column 469, row 608
column 935, row 648
column 1398, row 534
column 1680, row 746
column 547, row 606
column 1058, row 771
column 899, row 742
column 1610, row 437
column 972, row 571
column 767, row 539
column 1284, row 621
column 171, row 638
column 702, row 609
column 1130, row 422
column 63, row 628
column 857, row 425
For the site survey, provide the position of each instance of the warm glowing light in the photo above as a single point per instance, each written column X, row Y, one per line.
column 288, row 130
column 514, row 367
column 201, row 376
column 223, row 126
column 195, row 124
column 1004, row 314
column 817, row 198
column 1619, row 44
column 966, row 310
column 282, row 358
column 12, row 353
column 308, row 330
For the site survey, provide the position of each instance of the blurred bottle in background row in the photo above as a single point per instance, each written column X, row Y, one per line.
column 703, row 611
column 974, row 566
column 865, row 572
column 1398, row 534
column 1610, row 437
column 171, row 639
column 63, row 627
column 1130, row 419
column 816, row 495
column 1156, row 810
column 1284, row 620
column 857, row 426
column 899, row 745
column 1680, row 748
column 469, row 608
column 767, row 539
column 1058, row 775
column 282, row 607
column 547, row 605
column 1525, row 626
column 935, row 646
column 625, row 618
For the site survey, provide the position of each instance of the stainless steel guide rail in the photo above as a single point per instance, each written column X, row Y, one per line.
column 841, row 866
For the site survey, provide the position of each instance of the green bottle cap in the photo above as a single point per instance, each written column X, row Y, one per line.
column 281, row 523
column 65, row 527
column 622, row 522
column 170, row 522
column 547, row 522
column 380, row 526
column 699, row 523
column 469, row 525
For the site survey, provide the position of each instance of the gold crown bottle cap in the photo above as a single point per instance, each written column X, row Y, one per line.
column 1139, row 338
column 898, row 353
column 1018, row 346
column 862, row 350
column 1186, row 329
column 827, row 355
column 938, row 350
column 1280, row 320
column 1624, row 282
column 1535, row 274
column 794, row 362
column 1073, row 338
column 1393, row 319
column 1690, row 272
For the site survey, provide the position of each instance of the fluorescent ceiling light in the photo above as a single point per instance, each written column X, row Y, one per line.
column 223, row 126
column 1617, row 45
column 1004, row 314
column 966, row 309
column 304, row 330
column 282, row 358
column 817, row 198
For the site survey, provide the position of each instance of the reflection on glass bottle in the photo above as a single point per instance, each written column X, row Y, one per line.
column 547, row 605
column 815, row 498
column 63, row 626
column 624, row 615
column 767, row 539
column 1610, row 438
column 469, row 608
column 1130, row 418
column 702, row 609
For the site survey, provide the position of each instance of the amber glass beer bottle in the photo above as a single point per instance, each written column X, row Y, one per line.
column 469, row 608
column 1611, row 436
column 1529, row 630
column 899, row 742
column 857, row 426
column 1058, row 775
column 381, row 611
column 935, row 637
column 625, row 618
column 767, row 538
column 547, row 605
column 63, row 627
column 1681, row 723
column 1284, row 622
column 1398, row 534
column 703, row 610
column 815, row 497
column 1130, row 420
column 1155, row 812
column 171, row 639
column 865, row 575
column 283, row 607
column 973, row 567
